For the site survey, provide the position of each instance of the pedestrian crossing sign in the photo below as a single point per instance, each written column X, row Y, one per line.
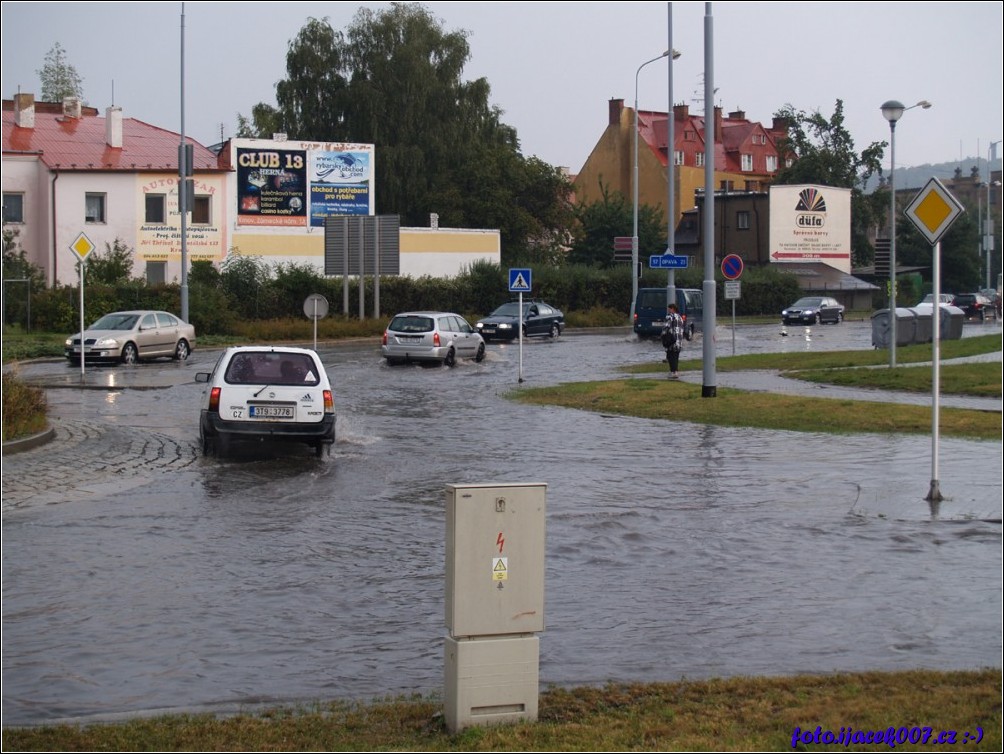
column 519, row 280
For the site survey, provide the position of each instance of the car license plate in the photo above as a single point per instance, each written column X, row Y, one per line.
column 271, row 412
column 659, row 323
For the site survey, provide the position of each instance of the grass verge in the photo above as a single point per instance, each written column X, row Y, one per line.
column 680, row 401
column 737, row 714
column 24, row 408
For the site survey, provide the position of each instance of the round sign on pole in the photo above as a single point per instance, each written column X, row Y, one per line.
column 732, row 266
column 315, row 306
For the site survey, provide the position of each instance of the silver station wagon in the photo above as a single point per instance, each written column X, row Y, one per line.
column 266, row 393
column 434, row 337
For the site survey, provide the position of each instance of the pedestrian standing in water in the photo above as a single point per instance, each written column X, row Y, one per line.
column 672, row 339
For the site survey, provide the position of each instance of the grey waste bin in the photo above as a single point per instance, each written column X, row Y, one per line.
column 882, row 324
column 923, row 326
column 952, row 319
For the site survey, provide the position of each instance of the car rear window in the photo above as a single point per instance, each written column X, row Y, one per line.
column 412, row 323
column 271, row 368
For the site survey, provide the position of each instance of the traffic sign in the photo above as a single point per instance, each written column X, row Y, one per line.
column 623, row 243
column 315, row 306
column 933, row 210
column 668, row 262
column 732, row 289
column 82, row 246
column 732, row 266
column 520, row 280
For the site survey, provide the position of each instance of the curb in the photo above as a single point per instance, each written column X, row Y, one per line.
column 21, row 444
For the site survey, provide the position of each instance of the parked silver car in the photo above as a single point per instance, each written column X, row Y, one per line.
column 273, row 393
column 132, row 336
column 441, row 337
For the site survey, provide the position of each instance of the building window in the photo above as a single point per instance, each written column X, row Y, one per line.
column 156, row 209
column 200, row 212
column 789, row 161
column 771, row 163
column 678, row 158
column 13, row 208
column 700, row 159
column 94, row 208
column 743, row 220
column 747, row 162
column 156, row 273
column 688, row 135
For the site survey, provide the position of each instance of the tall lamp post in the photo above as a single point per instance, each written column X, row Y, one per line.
column 892, row 111
column 634, row 232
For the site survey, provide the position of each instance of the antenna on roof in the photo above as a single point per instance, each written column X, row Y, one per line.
column 113, row 92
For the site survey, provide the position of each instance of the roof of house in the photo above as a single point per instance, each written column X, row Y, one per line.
column 820, row 277
column 67, row 143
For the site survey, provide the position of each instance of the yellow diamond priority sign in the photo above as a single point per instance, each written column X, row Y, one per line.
column 82, row 247
column 933, row 210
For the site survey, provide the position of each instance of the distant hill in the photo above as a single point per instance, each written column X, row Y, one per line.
column 918, row 176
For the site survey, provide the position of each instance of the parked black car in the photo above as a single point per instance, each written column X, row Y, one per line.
column 975, row 305
column 813, row 310
column 539, row 318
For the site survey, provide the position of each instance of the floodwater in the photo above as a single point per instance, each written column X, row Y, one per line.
column 673, row 550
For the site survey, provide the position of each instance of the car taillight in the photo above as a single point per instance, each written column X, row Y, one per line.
column 435, row 339
column 384, row 342
column 214, row 400
column 329, row 402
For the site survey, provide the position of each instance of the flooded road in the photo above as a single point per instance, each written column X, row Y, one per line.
column 144, row 577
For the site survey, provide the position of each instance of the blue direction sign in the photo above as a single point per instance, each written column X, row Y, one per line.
column 520, row 280
column 667, row 262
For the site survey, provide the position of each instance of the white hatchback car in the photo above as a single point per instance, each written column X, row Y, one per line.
column 273, row 393
column 438, row 337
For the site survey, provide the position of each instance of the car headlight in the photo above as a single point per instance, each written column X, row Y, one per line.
column 106, row 343
column 505, row 326
column 69, row 342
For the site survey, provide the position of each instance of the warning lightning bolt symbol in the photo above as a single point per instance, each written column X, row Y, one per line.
column 500, row 541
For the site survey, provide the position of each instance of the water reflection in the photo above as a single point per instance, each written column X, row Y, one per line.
column 673, row 550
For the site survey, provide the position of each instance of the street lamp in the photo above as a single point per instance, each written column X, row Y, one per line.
column 892, row 111
column 634, row 232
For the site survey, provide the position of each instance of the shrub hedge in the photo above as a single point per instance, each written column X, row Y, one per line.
column 222, row 302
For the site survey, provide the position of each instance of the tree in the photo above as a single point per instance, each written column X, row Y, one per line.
column 59, row 78
column 394, row 79
column 597, row 225
column 825, row 155
column 111, row 268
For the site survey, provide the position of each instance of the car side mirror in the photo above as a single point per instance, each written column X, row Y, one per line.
column 202, row 376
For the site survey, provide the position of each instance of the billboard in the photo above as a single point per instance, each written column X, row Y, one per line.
column 297, row 184
column 811, row 224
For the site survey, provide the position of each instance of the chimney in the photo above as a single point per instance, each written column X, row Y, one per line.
column 737, row 115
column 616, row 108
column 113, row 127
column 24, row 110
column 681, row 112
column 718, row 125
column 71, row 107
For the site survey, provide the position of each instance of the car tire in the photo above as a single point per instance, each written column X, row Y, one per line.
column 555, row 331
column 318, row 449
column 839, row 319
column 480, row 355
column 818, row 319
column 181, row 350
column 129, row 354
column 451, row 358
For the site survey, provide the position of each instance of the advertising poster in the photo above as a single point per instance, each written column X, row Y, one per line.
column 272, row 187
column 811, row 224
column 160, row 241
column 340, row 184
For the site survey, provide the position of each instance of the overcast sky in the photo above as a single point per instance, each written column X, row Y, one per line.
column 553, row 67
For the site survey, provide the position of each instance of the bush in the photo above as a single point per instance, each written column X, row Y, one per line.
column 24, row 408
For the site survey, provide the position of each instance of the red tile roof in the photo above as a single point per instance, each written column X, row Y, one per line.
column 66, row 143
